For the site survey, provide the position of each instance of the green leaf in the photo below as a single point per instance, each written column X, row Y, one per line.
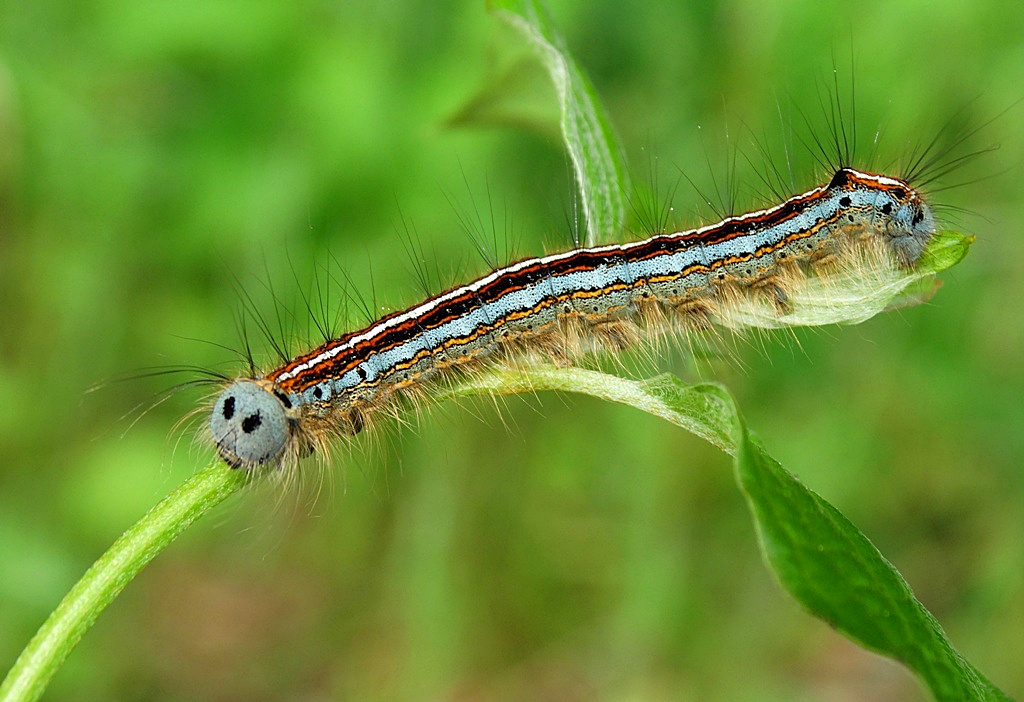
column 832, row 569
column 517, row 96
column 817, row 554
column 705, row 410
column 586, row 130
column 945, row 250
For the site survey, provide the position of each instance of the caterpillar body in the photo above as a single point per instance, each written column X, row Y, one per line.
column 566, row 304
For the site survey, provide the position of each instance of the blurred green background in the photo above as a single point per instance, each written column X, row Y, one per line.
column 157, row 157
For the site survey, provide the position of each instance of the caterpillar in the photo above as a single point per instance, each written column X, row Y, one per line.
column 745, row 270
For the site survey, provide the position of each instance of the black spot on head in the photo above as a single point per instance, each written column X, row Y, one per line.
column 849, row 218
column 318, row 392
column 361, row 373
column 721, row 276
column 918, row 216
column 845, row 201
column 887, row 208
column 251, row 423
column 229, row 407
column 899, row 194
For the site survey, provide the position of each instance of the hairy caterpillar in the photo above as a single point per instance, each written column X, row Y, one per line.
column 747, row 270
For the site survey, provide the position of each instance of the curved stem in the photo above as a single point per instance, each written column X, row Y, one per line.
column 107, row 577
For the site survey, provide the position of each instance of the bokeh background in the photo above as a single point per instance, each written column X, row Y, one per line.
column 156, row 158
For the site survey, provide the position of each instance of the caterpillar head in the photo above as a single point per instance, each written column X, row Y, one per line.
column 250, row 424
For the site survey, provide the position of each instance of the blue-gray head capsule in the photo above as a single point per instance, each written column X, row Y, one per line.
column 250, row 425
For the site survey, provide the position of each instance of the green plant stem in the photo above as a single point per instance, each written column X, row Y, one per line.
column 705, row 409
column 819, row 556
column 107, row 577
